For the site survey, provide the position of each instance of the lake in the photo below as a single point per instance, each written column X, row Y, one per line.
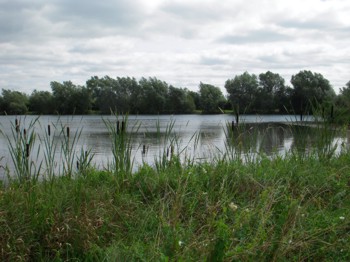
column 199, row 137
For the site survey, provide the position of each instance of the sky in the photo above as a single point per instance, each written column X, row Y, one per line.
column 181, row 42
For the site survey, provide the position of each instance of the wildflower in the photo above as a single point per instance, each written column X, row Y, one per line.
column 233, row 206
column 341, row 218
column 181, row 243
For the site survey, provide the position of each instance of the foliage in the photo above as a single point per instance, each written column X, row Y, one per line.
column 242, row 90
column 309, row 88
column 70, row 99
column 247, row 93
column 211, row 98
column 41, row 102
column 13, row 102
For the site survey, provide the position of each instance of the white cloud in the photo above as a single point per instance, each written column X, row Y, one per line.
column 180, row 42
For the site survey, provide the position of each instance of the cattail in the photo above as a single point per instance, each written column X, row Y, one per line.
column 68, row 131
column 17, row 125
column 123, row 126
column 49, row 130
column 25, row 134
column 27, row 150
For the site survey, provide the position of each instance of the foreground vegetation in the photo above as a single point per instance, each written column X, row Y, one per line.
column 281, row 209
column 290, row 208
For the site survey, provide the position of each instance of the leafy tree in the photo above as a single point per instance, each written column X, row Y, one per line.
column 70, row 99
column 14, row 102
column 310, row 88
column 41, row 102
column 211, row 98
column 153, row 96
column 270, row 91
column 242, row 91
column 342, row 102
column 128, row 92
column 179, row 101
column 196, row 99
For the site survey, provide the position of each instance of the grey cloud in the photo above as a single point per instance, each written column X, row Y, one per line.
column 92, row 16
column 210, row 60
column 260, row 36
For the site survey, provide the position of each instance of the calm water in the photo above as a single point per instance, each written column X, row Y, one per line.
column 209, row 130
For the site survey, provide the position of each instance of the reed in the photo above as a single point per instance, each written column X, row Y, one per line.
column 122, row 163
column 69, row 147
column 50, row 147
column 24, row 151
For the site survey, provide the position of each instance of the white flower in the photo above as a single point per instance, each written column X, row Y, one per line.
column 341, row 218
column 181, row 243
column 233, row 206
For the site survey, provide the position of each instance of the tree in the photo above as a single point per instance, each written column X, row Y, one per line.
column 196, row 99
column 342, row 102
column 70, row 99
column 153, row 96
column 242, row 91
column 14, row 102
column 310, row 88
column 41, row 102
column 179, row 101
column 271, row 90
column 211, row 98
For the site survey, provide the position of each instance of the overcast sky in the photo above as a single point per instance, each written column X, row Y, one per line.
column 182, row 42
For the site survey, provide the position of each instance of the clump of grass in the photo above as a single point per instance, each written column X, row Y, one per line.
column 23, row 151
column 68, row 146
column 118, row 129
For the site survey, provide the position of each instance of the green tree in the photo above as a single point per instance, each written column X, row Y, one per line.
column 41, row 102
column 179, row 101
column 14, row 102
column 242, row 91
column 70, row 99
column 196, row 99
column 342, row 102
column 310, row 88
column 153, row 96
column 128, row 92
column 211, row 98
column 271, row 88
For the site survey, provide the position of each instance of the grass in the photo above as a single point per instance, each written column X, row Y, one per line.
column 290, row 208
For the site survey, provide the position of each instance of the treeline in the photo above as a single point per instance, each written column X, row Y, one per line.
column 246, row 93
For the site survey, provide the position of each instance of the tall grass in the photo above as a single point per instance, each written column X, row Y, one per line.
column 24, row 151
column 118, row 129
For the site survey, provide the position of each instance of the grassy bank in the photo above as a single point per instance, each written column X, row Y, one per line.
column 288, row 209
